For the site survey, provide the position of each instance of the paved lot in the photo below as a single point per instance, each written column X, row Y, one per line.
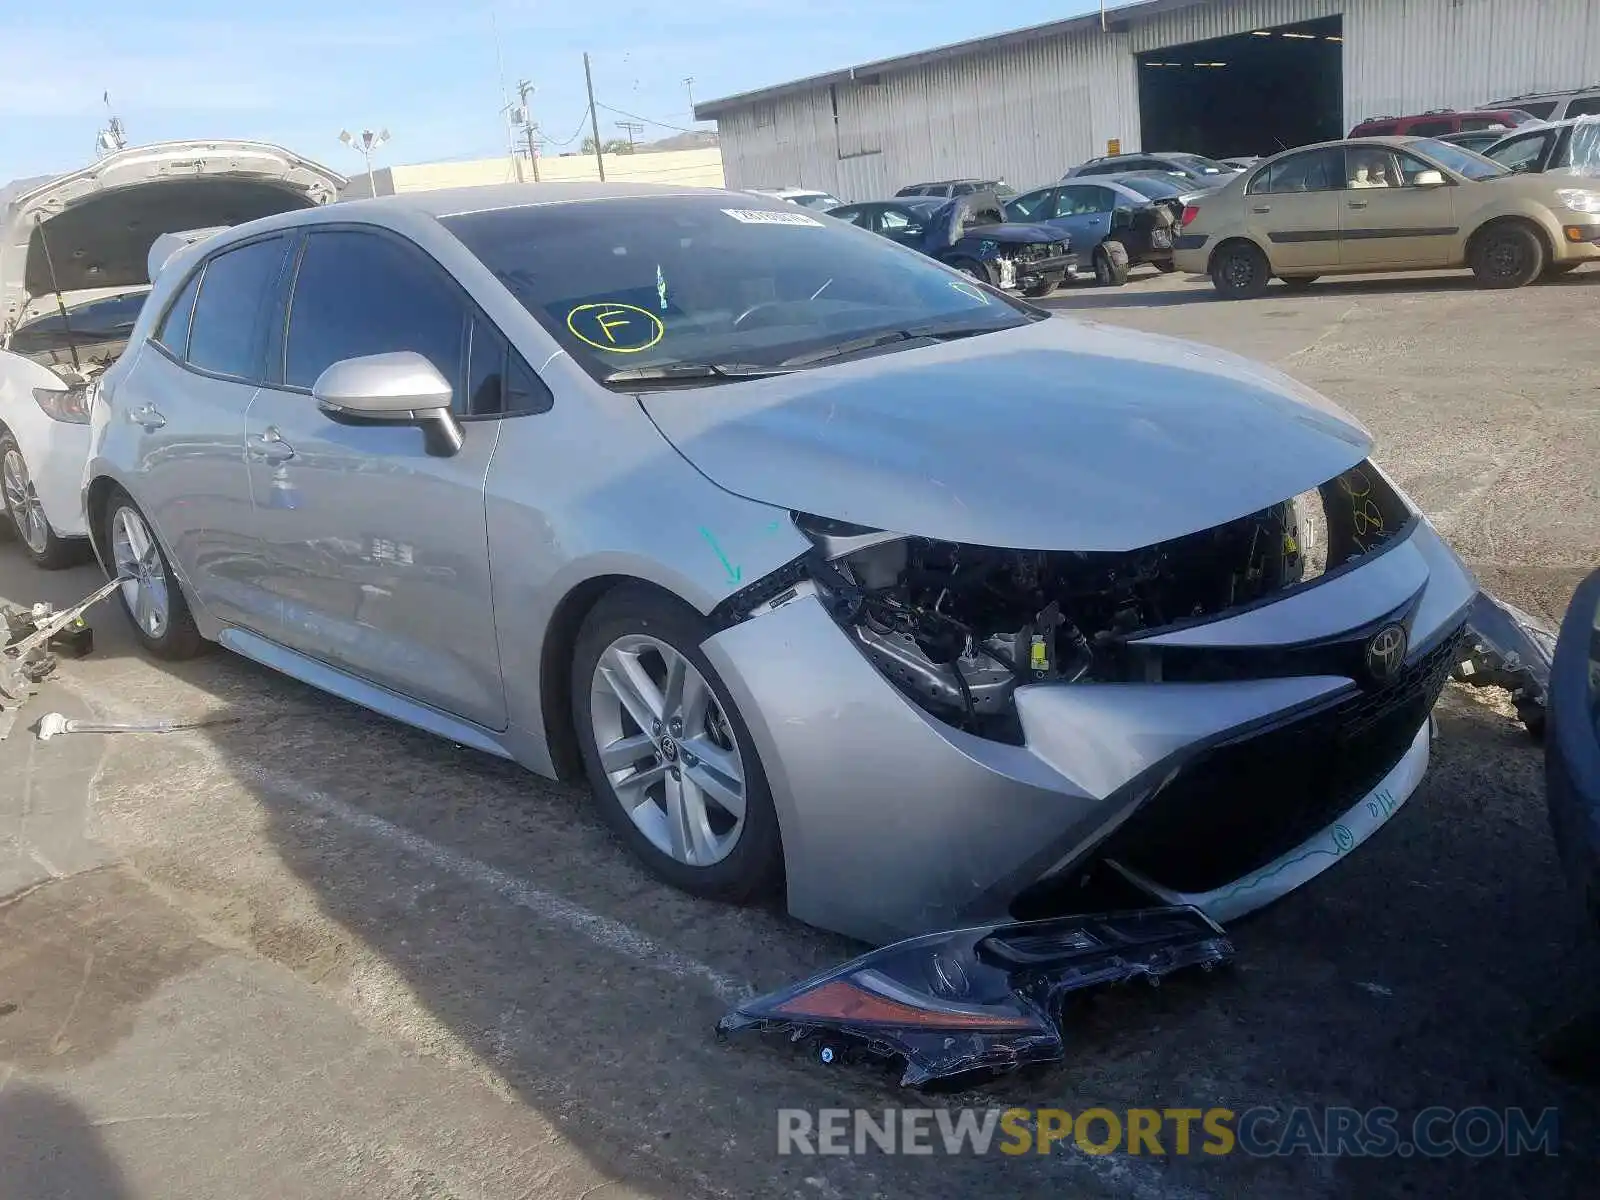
column 314, row 954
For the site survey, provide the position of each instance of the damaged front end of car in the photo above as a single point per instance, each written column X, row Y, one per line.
column 988, row 999
column 1207, row 721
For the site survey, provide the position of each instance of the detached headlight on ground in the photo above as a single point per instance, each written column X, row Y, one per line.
column 982, row 999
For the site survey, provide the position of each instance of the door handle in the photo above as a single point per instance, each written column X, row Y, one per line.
column 1262, row 208
column 1356, row 203
column 148, row 416
column 269, row 446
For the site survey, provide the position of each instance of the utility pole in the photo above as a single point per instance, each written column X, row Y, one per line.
column 594, row 121
column 630, row 128
column 524, row 89
column 688, row 85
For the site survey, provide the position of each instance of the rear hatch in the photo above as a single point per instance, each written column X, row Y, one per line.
column 88, row 234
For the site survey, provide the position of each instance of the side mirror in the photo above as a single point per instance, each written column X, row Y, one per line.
column 1428, row 179
column 399, row 388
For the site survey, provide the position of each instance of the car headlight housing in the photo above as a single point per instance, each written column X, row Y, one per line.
column 1580, row 200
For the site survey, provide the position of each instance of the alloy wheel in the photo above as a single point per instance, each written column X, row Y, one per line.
column 145, row 589
column 23, row 502
column 668, row 750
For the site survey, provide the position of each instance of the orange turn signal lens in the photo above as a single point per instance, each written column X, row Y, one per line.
column 841, row 1000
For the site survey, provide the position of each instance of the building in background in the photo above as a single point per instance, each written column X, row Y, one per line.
column 700, row 167
column 1218, row 77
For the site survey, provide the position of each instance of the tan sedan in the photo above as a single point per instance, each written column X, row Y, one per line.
column 1387, row 204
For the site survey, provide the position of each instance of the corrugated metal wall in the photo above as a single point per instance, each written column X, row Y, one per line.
column 1029, row 113
column 1407, row 56
column 1025, row 115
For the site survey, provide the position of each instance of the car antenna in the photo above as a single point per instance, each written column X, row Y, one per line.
column 61, row 305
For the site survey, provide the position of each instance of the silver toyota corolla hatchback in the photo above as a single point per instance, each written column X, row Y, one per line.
column 832, row 570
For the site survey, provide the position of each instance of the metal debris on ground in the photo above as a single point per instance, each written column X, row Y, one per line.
column 54, row 724
column 32, row 640
column 984, row 999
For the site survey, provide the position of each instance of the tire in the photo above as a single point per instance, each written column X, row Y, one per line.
column 25, row 518
column 1298, row 283
column 1038, row 290
column 1165, row 265
column 1240, row 271
column 1111, row 264
column 1507, row 254
column 632, row 628
column 153, row 598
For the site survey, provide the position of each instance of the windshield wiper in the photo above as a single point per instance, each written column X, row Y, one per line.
column 873, row 341
column 691, row 372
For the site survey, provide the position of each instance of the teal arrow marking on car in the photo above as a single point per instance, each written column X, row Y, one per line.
column 734, row 573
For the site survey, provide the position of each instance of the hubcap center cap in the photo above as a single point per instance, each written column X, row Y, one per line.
column 669, row 749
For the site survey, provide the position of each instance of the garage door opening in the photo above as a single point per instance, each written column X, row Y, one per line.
column 1255, row 93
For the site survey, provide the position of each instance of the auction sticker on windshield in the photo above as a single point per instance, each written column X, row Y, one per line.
column 762, row 216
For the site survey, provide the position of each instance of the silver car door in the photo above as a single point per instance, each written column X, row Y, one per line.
column 377, row 551
column 184, row 404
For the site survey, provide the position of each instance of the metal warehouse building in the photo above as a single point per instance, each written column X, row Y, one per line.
column 1219, row 77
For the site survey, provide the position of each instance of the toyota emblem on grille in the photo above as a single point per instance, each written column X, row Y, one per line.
column 1386, row 652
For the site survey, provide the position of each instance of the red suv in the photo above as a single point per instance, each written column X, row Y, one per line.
column 1442, row 120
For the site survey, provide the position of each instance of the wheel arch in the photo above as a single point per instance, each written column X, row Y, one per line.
column 1229, row 243
column 555, row 665
column 1546, row 242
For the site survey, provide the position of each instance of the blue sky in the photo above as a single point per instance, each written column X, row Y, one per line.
column 297, row 71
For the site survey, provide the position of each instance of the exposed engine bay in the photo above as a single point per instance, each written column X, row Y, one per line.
column 958, row 628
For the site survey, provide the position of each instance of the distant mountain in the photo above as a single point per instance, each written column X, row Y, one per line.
column 683, row 141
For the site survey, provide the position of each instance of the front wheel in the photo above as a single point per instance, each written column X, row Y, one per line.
column 1298, row 283
column 151, row 595
column 672, row 764
column 972, row 269
column 1111, row 264
column 1035, row 291
column 1240, row 272
column 1166, row 266
column 26, row 514
column 1507, row 255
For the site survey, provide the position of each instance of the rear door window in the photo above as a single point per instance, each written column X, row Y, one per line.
column 1538, row 108
column 1584, row 106
column 1431, row 127
column 1314, row 171
column 227, row 334
column 359, row 293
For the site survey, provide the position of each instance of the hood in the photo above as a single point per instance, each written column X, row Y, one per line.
column 975, row 208
column 1014, row 232
column 1060, row 435
column 96, row 227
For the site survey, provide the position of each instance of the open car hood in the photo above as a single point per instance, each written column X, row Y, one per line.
column 945, row 225
column 99, row 223
column 1060, row 435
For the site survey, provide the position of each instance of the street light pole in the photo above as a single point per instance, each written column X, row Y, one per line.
column 594, row 120
column 524, row 88
column 365, row 144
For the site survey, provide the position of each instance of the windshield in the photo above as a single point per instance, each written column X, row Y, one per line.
column 1459, row 160
column 1205, row 166
column 1150, row 187
column 649, row 282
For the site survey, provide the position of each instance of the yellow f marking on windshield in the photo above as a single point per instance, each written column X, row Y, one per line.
column 618, row 328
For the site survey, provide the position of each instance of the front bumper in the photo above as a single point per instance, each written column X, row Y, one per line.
column 1054, row 269
column 1580, row 242
column 895, row 824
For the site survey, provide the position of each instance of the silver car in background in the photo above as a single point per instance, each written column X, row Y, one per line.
column 832, row 571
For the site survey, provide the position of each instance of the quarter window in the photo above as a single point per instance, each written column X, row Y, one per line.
column 363, row 293
column 236, row 291
column 174, row 333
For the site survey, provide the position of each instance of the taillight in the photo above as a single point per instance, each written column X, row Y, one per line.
column 1190, row 212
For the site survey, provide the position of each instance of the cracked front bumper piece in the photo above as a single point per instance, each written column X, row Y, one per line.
column 988, row 998
column 1225, row 794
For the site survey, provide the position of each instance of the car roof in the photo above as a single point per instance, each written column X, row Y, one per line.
column 455, row 202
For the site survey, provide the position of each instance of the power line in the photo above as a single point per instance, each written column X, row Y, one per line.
column 647, row 120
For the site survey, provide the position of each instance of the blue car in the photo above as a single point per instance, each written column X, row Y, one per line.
column 972, row 234
column 1118, row 224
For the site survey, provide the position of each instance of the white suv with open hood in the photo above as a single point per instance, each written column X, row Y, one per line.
column 78, row 252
